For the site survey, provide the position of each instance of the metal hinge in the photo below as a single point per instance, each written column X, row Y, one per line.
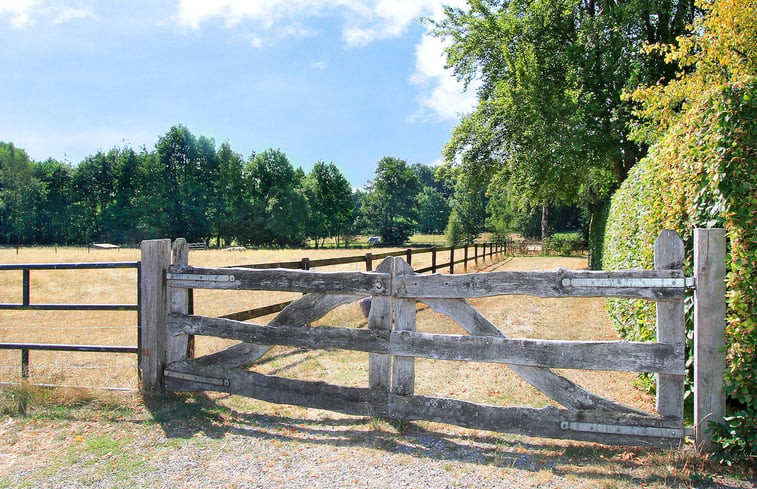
column 200, row 278
column 196, row 378
column 625, row 282
column 677, row 433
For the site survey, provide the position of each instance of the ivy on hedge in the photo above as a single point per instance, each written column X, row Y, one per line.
column 701, row 173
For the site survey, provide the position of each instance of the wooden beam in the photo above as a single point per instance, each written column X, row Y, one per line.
column 314, row 338
column 403, row 370
column 348, row 400
column 588, row 355
column 548, row 422
column 709, row 332
column 380, row 320
column 665, row 285
column 177, row 344
column 358, row 283
column 671, row 328
column 156, row 258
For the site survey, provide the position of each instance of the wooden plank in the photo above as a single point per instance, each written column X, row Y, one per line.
column 548, row 422
column 668, row 255
column 547, row 283
column 709, row 332
column 358, row 283
column 556, row 387
column 588, row 355
column 177, row 344
column 257, row 312
column 156, row 258
column 315, row 338
column 348, row 400
column 403, row 370
column 380, row 319
column 299, row 313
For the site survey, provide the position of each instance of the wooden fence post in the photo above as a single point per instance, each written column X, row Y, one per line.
column 709, row 332
column 451, row 260
column 368, row 262
column 403, row 371
column 156, row 257
column 465, row 258
column 671, row 328
column 433, row 259
column 409, row 256
column 475, row 254
column 380, row 318
column 178, row 346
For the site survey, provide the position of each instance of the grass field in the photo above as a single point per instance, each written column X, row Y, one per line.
column 123, row 434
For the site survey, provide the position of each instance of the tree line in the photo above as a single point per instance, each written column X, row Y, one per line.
column 187, row 186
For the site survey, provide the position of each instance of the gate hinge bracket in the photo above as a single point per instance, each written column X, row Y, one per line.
column 612, row 429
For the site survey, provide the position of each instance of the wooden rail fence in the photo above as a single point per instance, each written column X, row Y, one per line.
column 393, row 343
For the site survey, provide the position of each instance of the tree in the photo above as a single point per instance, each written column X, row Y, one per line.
column 550, row 119
column 433, row 211
column 278, row 205
column 389, row 202
column 328, row 193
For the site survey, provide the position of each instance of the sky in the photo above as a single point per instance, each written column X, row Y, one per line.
column 347, row 81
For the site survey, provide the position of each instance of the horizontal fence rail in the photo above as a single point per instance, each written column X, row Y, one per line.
column 27, row 305
column 393, row 344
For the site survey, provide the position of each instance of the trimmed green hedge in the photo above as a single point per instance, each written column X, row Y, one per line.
column 701, row 173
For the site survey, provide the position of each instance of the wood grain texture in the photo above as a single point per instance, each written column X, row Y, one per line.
column 588, row 355
column 380, row 319
column 156, row 258
column 556, row 387
column 403, row 368
column 357, row 283
column 349, row 400
column 540, row 283
column 549, row 422
column 709, row 332
column 671, row 328
column 314, row 338
column 176, row 344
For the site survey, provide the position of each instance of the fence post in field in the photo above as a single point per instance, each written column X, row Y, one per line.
column 668, row 255
column 305, row 264
column 380, row 319
column 177, row 347
column 433, row 259
column 475, row 254
column 156, row 258
column 451, row 260
column 403, row 373
column 465, row 258
column 709, row 332
column 368, row 262
column 409, row 256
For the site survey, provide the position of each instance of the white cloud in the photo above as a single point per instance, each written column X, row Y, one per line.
column 442, row 96
column 18, row 11
column 24, row 13
column 363, row 22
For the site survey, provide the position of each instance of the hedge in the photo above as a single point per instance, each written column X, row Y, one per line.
column 701, row 173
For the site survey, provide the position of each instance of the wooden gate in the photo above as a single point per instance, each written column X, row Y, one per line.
column 393, row 344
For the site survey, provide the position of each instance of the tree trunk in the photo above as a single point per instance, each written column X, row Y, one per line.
column 544, row 221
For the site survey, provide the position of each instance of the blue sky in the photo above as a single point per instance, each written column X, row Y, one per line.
column 347, row 81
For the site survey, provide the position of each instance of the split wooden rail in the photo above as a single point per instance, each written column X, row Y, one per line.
column 393, row 343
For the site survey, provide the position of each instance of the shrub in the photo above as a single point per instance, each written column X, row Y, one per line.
column 701, row 173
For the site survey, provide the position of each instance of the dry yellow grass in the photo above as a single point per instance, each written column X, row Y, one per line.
column 517, row 316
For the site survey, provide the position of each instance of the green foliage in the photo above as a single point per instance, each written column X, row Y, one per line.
column 702, row 172
column 389, row 202
column 563, row 244
column 433, row 211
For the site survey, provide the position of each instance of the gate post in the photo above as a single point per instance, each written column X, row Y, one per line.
column 403, row 371
column 709, row 332
column 178, row 347
column 671, row 326
column 156, row 258
column 380, row 319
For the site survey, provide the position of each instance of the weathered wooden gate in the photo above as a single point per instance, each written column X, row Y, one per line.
column 394, row 344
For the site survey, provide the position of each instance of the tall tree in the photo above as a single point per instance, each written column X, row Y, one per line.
column 328, row 193
column 551, row 118
column 389, row 203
